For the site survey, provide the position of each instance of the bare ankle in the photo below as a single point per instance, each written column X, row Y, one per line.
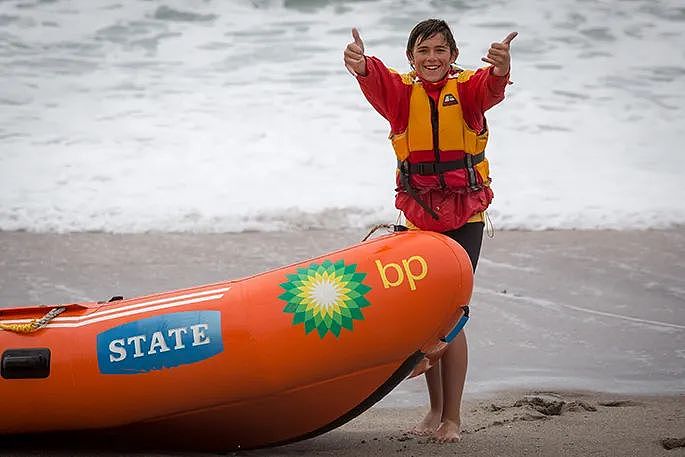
column 451, row 419
column 448, row 432
column 429, row 424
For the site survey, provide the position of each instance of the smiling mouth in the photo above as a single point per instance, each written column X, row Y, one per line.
column 431, row 67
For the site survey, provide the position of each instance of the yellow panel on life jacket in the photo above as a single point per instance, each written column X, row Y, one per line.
column 420, row 131
column 453, row 134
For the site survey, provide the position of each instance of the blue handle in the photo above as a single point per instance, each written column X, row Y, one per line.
column 457, row 328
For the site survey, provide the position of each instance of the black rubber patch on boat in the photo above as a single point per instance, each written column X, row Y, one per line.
column 33, row 363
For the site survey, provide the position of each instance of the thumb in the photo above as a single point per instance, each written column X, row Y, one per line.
column 357, row 39
column 510, row 37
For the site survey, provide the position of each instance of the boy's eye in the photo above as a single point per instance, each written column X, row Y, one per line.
column 424, row 51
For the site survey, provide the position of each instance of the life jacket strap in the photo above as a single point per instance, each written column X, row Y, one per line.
column 469, row 162
column 403, row 166
column 434, row 168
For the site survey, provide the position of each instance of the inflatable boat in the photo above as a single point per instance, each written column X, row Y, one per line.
column 264, row 360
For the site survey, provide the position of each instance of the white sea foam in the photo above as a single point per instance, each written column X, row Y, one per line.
column 175, row 115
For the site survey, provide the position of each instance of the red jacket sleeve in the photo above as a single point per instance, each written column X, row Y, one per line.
column 386, row 92
column 478, row 94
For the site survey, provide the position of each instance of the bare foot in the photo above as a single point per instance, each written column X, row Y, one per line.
column 448, row 432
column 428, row 425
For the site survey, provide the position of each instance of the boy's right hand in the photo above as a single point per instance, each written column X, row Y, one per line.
column 355, row 62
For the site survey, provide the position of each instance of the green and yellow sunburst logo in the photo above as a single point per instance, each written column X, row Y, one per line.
column 326, row 297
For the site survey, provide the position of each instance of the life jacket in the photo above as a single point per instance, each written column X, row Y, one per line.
column 442, row 175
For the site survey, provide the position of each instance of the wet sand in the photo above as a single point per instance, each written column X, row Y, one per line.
column 586, row 424
column 595, row 316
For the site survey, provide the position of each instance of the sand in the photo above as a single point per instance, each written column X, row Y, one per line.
column 497, row 424
column 594, row 318
column 493, row 426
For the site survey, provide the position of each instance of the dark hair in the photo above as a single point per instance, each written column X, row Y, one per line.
column 427, row 29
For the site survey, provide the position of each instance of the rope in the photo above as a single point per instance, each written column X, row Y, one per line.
column 390, row 227
column 35, row 324
column 489, row 228
column 379, row 226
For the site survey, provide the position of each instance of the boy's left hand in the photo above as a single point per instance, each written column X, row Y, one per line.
column 499, row 56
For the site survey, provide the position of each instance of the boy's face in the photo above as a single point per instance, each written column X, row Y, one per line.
column 432, row 57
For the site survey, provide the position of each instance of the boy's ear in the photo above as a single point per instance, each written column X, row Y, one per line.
column 410, row 57
column 455, row 54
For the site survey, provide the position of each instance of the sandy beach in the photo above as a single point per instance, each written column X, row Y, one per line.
column 497, row 424
column 588, row 424
column 576, row 339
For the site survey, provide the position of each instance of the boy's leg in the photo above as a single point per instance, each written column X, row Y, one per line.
column 433, row 418
column 454, row 364
column 454, row 361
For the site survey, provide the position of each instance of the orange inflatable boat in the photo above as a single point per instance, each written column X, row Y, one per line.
column 273, row 358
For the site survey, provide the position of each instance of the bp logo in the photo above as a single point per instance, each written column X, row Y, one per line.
column 326, row 297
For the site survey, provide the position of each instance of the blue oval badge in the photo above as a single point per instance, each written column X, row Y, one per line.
column 159, row 342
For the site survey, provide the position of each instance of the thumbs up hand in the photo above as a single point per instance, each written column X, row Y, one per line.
column 355, row 62
column 499, row 56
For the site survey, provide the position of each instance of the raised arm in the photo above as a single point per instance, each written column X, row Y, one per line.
column 383, row 88
column 486, row 87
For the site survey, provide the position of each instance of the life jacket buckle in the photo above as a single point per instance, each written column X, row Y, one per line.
column 425, row 168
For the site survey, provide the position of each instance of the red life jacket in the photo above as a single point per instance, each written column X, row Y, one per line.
column 443, row 175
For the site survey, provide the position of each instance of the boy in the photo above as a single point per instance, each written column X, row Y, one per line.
column 439, row 133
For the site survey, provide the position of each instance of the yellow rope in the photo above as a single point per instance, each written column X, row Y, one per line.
column 18, row 328
column 35, row 324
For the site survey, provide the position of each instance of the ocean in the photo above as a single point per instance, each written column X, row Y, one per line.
column 212, row 116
